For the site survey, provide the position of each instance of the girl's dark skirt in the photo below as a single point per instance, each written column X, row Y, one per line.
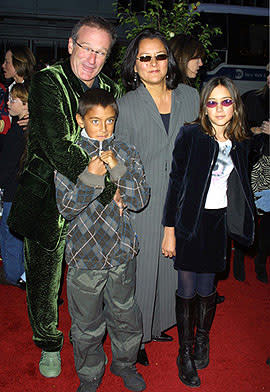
column 206, row 251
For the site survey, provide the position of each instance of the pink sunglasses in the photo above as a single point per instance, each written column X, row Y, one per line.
column 226, row 102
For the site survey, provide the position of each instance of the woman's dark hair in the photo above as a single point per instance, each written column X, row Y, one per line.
column 23, row 61
column 185, row 48
column 97, row 22
column 236, row 129
column 94, row 97
column 128, row 74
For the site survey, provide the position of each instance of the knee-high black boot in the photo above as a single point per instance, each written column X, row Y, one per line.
column 206, row 308
column 185, row 317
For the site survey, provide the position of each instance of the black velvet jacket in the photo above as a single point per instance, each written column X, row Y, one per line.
column 194, row 157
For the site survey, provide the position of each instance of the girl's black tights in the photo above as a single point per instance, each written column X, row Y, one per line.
column 192, row 283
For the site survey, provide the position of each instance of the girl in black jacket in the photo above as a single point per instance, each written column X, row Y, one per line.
column 209, row 196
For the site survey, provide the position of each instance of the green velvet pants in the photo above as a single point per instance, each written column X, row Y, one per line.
column 43, row 273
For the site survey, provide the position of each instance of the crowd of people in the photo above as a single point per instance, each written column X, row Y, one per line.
column 136, row 192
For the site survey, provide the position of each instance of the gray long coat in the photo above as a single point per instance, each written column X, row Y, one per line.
column 140, row 123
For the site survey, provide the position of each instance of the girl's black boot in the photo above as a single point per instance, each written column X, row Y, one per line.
column 206, row 309
column 185, row 317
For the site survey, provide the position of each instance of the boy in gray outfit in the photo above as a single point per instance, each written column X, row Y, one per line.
column 101, row 246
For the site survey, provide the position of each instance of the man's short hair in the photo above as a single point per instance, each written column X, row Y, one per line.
column 97, row 22
column 95, row 97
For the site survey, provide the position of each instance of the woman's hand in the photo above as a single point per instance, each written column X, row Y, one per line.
column 265, row 127
column 169, row 242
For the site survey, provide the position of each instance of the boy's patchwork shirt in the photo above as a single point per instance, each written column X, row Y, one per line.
column 98, row 237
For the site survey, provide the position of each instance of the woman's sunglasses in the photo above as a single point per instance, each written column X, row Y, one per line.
column 226, row 102
column 147, row 58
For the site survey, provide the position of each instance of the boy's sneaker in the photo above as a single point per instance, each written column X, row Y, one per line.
column 50, row 363
column 89, row 386
column 132, row 379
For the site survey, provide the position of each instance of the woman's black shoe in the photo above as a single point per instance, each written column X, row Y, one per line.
column 21, row 284
column 219, row 299
column 142, row 357
column 164, row 337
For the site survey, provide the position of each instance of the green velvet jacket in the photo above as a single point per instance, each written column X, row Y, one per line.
column 53, row 132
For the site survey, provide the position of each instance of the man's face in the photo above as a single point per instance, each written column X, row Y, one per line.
column 88, row 59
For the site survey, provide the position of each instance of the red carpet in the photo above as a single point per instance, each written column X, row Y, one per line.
column 240, row 345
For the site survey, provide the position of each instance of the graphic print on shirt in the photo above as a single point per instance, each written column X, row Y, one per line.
column 223, row 161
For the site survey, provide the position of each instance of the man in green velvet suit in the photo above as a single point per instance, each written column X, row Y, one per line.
column 53, row 132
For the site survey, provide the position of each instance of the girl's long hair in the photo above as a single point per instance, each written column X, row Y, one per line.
column 236, row 128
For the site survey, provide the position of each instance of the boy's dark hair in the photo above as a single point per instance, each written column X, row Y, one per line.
column 94, row 97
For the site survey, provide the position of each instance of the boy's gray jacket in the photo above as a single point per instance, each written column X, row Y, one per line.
column 98, row 237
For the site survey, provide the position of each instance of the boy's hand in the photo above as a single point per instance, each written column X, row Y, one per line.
column 23, row 122
column 119, row 201
column 96, row 166
column 108, row 157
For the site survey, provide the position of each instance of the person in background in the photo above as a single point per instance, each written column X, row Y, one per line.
column 188, row 53
column 150, row 116
column 4, row 127
column 4, row 116
column 102, row 263
column 260, row 182
column 19, row 66
column 256, row 104
column 53, row 132
column 209, row 197
column 12, row 146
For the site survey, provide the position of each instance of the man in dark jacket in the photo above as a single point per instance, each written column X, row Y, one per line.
column 53, row 102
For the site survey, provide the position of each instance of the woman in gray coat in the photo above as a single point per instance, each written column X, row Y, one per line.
column 150, row 116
